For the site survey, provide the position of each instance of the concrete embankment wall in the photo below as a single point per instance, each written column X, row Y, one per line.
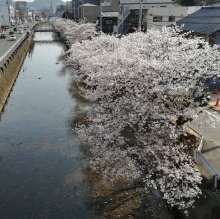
column 10, row 69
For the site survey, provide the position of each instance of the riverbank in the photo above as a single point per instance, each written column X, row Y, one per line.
column 10, row 69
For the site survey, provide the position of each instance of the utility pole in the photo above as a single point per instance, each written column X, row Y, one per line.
column 140, row 17
column 100, row 20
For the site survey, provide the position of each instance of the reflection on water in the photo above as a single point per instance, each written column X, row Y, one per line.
column 40, row 174
column 124, row 199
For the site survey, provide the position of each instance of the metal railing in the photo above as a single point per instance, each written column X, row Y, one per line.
column 11, row 50
column 198, row 155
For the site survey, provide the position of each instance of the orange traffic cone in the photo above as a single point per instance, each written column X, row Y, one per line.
column 217, row 102
column 215, row 91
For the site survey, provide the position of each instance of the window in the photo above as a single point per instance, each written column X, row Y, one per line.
column 108, row 21
column 171, row 18
column 157, row 19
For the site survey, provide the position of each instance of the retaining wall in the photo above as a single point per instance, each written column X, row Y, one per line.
column 10, row 69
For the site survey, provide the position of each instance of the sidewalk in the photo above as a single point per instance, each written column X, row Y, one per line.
column 211, row 144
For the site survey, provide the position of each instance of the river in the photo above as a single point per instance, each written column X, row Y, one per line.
column 40, row 158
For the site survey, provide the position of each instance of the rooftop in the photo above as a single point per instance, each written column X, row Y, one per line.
column 206, row 21
column 88, row 5
column 110, row 14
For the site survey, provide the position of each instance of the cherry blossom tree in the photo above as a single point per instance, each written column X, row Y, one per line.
column 139, row 85
column 73, row 31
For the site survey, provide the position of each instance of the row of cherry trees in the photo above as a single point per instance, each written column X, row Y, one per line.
column 72, row 31
column 139, row 86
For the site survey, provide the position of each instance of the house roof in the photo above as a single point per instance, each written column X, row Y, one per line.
column 110, row 14
column 145, row 1
column 88, row 5
column 205, row 21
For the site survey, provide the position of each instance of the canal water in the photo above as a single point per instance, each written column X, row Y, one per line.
column 40, row 158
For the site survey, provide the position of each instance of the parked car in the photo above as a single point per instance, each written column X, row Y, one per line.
column 25, row 28
column 13, row 37
column 2, row 35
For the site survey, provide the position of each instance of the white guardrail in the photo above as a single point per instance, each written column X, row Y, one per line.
column 11, row 49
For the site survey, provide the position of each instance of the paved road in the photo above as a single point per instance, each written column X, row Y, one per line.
column 5, row 43
column 211, row 146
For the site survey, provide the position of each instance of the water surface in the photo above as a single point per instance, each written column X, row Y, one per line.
column 40, row 174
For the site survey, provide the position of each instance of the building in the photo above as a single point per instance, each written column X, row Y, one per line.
column 21, row 6
column 80, row 10
column 21, row 10
column 53, row 7
column 129, row 11
column 109, row 20
column 6, row 16
column 68, row 6
column 163, row 16
column 92, row 12
column 89, row 12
